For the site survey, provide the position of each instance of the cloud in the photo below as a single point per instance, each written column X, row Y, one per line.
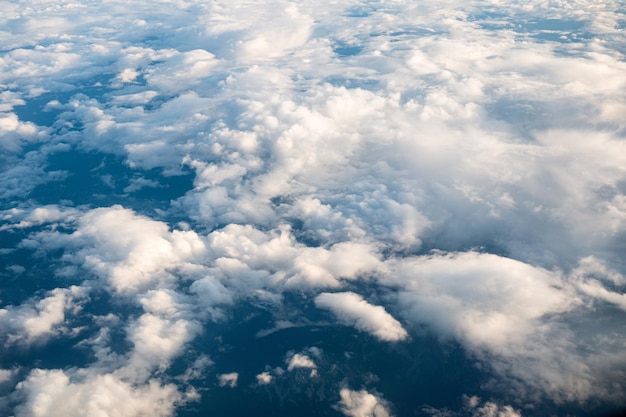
column 179, row 73
column 19, row 218
column 486, row 299
column 352, row 310
column 38, row 320
column 362, row 404
column 6, row 375
column 475, row 406
column 470, row 163
column 264, row 378
column 156, row 342
column 198, row 369
column 130, row 252
column 137, row 184
column 275, row 257
column 300, row 361
column 55, row 393
column 228, row 380
column 516, row 317
column 598, row 282
column 16, row 133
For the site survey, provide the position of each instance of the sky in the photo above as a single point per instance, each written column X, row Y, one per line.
column 339, row 208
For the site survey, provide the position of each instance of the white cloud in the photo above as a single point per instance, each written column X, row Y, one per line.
column 21, row 218
column 447, row 129
column 299, row 360
column 6, row 375
column 198, row 369
column 16, row 133
column 128, row 251
column 274, row 257
column 137, row 184
column 486, row 299
column 352, row 310
column 53, row 393
column 362, row 404
column 477, row 408
column 156, row 342
column 228, row 380
column 515, row 317
column 37, row 320
column 264, row 378
column 179, row 72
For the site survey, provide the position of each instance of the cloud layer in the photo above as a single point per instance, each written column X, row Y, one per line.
column 461, row 165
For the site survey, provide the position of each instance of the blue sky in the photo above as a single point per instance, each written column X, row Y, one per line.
column 450, row 171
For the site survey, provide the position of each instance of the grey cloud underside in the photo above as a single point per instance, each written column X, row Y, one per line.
column 393, row 174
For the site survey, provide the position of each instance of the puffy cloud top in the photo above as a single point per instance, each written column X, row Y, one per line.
column 163, row 167
column 362, row 404
column 352, row 310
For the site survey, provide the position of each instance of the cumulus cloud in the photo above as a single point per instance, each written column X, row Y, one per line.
column 277, row 258
column 477, row 408
column 37, row 320
column 326, row 145
column 55, row 393
column 264, row 378
column 362, row 404
column 228, row 380
column 513, row 316
column 6, row 375
column 156, row 341
column 352, row 310
column 130, row 252
column 16, row 133
column 17, row 218
column 488, row 299
column 299, row 360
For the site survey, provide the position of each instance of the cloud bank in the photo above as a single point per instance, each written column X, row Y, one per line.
column 165, row 167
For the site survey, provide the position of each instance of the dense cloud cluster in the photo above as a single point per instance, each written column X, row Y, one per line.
column 456, row 169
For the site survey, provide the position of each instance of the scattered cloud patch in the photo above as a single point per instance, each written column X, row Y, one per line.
column 477, row 408
column 300, row 361
column 468, row 160
column 54, row 393
column 362, row 404
column 37, row 320
column 352, row 310
column 264, row 378
column 228, row 380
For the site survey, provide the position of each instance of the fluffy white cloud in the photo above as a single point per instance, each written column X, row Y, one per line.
column 37, row 320
column 228, row 380
column 16, row 218
column 6, row 375
column 373, row 130
column 276, row 257
column 300, row 360
column 303, row 361
column 156, row 341
column 475, row 406
column 362, row 404
column 130, row 252
column 16, row 133
column 486, row 299
column 516, row 318
column 54, row 393
column 264, row 378
column 352, row 310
